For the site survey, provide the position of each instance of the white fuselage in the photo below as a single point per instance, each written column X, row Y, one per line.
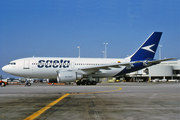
column 47, row 67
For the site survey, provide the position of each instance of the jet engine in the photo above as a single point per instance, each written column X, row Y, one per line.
column 68, row 76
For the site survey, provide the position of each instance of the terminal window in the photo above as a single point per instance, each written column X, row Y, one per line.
column 176, row 72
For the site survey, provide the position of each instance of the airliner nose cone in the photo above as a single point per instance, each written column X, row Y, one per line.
column 4, row 68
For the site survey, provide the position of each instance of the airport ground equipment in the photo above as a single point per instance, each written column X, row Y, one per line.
column 3, row 83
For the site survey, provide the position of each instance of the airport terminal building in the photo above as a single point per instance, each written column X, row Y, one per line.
column 169, row 70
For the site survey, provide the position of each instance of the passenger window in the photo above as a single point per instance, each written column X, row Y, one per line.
column 13, row 63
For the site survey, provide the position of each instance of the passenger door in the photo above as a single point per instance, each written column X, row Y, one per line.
column 26, row 64
column 72, row 65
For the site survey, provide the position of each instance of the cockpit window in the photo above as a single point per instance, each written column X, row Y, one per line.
column 12, row 63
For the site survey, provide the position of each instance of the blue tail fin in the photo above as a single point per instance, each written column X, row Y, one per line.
column 148, row 48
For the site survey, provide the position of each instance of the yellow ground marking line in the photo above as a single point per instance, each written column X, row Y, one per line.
column 36, row 114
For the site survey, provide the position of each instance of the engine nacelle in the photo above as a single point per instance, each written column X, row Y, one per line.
column 68, row 76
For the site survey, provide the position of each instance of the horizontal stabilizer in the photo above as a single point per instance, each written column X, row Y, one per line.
column 158, row 61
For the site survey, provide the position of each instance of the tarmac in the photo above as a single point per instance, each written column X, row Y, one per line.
column 105, row 101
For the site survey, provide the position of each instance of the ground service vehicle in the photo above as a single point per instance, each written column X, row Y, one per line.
column 3, row 83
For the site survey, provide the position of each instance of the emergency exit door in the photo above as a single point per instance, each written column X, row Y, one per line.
column 26, row 64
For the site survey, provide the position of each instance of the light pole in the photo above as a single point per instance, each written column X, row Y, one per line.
column 103, row 54
column 105, row 50
column 79, row 51
column 160, row 52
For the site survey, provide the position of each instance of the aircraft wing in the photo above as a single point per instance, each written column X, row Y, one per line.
column 92, row 69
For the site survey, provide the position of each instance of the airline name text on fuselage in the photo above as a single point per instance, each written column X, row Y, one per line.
column 53, row 63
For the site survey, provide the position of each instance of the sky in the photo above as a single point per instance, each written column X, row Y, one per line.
column 55, row 28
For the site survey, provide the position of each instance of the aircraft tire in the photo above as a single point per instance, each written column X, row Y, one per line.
column 83, row 83
column 88, row 83
column 78, row 83
column 94, row 82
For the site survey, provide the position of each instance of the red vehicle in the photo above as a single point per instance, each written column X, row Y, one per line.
column 3, row 83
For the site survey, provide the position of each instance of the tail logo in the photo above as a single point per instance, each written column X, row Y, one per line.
column 148, row 48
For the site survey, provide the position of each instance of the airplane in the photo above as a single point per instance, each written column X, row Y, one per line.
column 62, row 70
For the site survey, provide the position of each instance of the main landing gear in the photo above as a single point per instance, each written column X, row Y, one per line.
column 86, row 82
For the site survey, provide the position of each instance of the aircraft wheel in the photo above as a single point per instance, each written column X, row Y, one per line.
column 88, row 83
column 83, row 83
column 94, row 82
column 78, row 83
